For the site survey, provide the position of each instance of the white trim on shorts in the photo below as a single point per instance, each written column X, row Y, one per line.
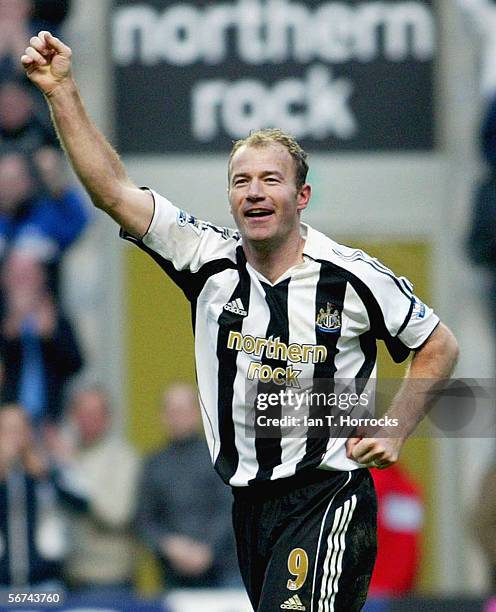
column 320, row 538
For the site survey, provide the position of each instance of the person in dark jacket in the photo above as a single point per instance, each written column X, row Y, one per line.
column 38, row 348
column 22, row 126
column 184, row 513
column 481, row 241
column 33, row 538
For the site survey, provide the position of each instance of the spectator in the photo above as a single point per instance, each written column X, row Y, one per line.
column 15, row 29
column 49, row 14
column 21, row 19
column 22, row 126
column 37, row 344
column 482, row 237
column 42, row 226
column 184, row 511
column 33, row 539
column 102, row 556
column 399, row 526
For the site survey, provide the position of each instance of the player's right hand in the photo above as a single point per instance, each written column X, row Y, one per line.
column 47, row 62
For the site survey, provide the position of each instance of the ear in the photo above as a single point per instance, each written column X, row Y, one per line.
column 303, row 197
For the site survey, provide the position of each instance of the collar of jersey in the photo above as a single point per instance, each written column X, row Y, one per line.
column 311, row 247
column 310, row 252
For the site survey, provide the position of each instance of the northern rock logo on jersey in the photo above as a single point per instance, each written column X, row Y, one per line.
column 328, row 320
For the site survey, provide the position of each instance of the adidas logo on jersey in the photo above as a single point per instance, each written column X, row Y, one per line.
column 293, row 603
column 236, row 307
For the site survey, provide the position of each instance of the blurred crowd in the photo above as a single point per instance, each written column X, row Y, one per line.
column 75, row 499
column 42, row 214
column 480, row 245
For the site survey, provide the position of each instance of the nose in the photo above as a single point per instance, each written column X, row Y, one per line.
column 255, row 190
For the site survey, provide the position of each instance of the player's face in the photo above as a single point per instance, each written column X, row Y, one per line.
column 265, row 202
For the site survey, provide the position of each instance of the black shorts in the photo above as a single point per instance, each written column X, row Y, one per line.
column 307, row 542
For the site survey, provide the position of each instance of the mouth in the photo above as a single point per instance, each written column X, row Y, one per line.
column 256, row 213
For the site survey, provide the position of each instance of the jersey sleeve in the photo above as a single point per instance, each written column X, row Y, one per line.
column 186, row 248
column 187, row 242
column 387, row 307
column 399, row 317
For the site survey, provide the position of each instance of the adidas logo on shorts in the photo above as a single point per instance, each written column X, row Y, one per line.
column 236, row 307
column 293, row 603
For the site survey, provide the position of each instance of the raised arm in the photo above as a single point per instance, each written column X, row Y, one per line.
column 433, row 361
column 47, row 63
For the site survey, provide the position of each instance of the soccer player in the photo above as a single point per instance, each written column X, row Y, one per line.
column 275, row 303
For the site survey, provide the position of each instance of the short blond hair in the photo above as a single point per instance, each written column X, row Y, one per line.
column 270, row 136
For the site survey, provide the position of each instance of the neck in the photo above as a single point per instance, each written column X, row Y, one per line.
column 273, row 260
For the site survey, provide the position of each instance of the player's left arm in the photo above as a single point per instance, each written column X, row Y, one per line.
column 432, row 362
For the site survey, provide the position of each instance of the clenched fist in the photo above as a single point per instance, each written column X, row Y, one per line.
column 47, row 62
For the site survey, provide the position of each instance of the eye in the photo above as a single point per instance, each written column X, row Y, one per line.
column 272, row 180
column 239, row 182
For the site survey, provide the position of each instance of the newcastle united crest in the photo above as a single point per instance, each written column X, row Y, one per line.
column 328, row 320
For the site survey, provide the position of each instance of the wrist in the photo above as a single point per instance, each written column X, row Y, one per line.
column 64, row 89
column 396, row 427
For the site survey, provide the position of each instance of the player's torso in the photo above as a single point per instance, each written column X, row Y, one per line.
column 300, row 328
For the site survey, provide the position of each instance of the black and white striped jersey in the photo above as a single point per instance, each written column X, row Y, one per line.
column 320, row 320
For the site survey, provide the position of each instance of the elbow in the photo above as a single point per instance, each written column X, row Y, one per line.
column 110, row 198
column 104, row 201
column 99, row 203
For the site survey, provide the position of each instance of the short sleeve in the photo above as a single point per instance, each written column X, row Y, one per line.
column 419, row 324
column 184, row 240
column 187, row 249
column 387, row 308
column 404, row 321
